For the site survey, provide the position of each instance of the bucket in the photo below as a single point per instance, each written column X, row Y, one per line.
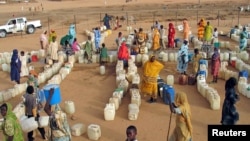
column 94, row 132
column 78, row 129
column 56, row 98
column 69, row 107
column 102, row 70
column 109, row 112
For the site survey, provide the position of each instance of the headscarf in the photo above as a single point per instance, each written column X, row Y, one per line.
column 14, row 55
column 123, row 53
column 230, row 83
column 171, row 25
column 72, row 32
column 216, row 54
column 181, row 101
column 9, row 113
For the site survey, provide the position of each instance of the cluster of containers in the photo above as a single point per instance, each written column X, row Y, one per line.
column 236, row 35
column 204, row 89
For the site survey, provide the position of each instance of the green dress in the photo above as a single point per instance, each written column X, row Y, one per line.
column 11, row 126
column 104, row 54
column 88, row 49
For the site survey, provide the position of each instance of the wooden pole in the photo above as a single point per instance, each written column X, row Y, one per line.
column 176, row 16
column 127, row 17
column 100, row 19
column 48, row 27
column 197, row 15
column 75, row 22
column 238, row 17
column 218, row 18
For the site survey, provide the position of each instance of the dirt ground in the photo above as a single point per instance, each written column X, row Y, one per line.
column 90, row 91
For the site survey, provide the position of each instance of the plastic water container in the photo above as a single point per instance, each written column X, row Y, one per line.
column 170, row 80
column 138, row 58
column 144, row 58
column 111, row 58
column 226, row 56
column 19, row 110
column 80, row 59
column 124, row 85
column 41, row 53
column 133, row 114
column 129, row 28
column 102, row 69
column 94, row 132
column 168, row 92
column 165, row 57
column 78, row 129
column 109, row 112
column 136, row 79
column 115, row 101
column 171, row 57
column 43, row 121
column 136, row 99
column 243, row 73
column 5, row 67
column 204, row 87
column 244, row 56
column 56, row 98
column 215, row 101
column 29, row 124
column 133, row 106
column 69, row 107
column 6, row 95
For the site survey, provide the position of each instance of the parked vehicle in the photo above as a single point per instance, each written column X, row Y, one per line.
column 19, row 24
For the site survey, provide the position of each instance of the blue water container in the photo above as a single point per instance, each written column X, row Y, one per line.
column 202, row 72
column 202, row 61
column 243, row 73
column 168, row 92
column 56, row 98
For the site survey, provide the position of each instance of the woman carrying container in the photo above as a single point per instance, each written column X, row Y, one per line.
column 183, row 128
column 11, row 127
column 59, row 128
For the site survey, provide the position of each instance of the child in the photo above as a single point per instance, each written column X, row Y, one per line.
column 103, row 54
column 131, row 133
column 24, row 68
column 215, row 35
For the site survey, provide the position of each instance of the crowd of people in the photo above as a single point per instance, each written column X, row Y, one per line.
column 151, row 69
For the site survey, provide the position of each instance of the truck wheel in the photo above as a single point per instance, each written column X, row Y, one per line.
column 30, row 29
column 2, row 34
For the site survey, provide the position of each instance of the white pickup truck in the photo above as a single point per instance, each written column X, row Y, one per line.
column 19, row 24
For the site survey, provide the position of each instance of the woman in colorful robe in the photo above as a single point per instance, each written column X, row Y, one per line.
column 171, row 35
column 104, row 54
column 53, row 47
column 196, row 59
column 208, row 33
column 243, row 39
column 72, row 32
column 186, row 30
column 11, row 128
column 183, row 129
column 151, row 70
column 156, row 39
column 123, row 53
column 106, row 20
column 215, row 65
column 183, row 58
column 15, row 67
column 201, row 28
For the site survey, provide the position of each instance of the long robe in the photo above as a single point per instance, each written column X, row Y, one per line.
column 196, row 59
column 186, row 30
column 123, row 53
column 182, row 59
column 106, row 20
column 53, row 50
column 97, row 35
column 24, row 68
column 229, row 113
column 183, row 128
column 208, row 33
column 72, row 32
column 11, row 126
column 156, row 40
column 215, row 63
column 15, row 66
column 171, row 35
column 151, row 71
column 201, row 29
column 243, row 40
column 88, row 49
column 104, row 54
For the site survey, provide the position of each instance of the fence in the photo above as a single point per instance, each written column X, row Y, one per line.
column 60, row 21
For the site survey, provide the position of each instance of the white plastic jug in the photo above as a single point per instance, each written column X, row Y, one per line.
column 133, row 106
column 94, row 132
column 171, row 57
column 133, row 115
column 136, row 99
column 69, row 107
column 165, row 57
column 102, row 69
column 138, row 58
column 78, row 129
column 29, row 124
column 115, row 101
column 5, row 67
column 41, row 53
column 109, row 112
column 170, row 80
column 43, row 121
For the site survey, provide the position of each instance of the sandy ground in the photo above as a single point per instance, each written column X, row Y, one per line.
column 90, row 91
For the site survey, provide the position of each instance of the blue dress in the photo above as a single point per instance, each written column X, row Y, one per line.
column 15, row 65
